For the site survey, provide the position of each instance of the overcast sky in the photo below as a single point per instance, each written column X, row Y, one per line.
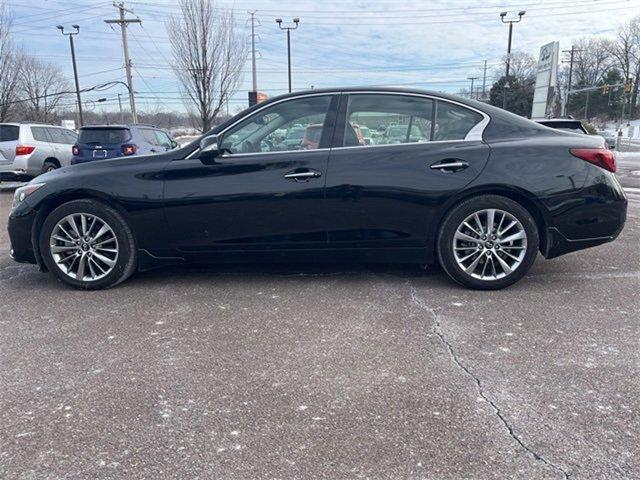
column 433, row 45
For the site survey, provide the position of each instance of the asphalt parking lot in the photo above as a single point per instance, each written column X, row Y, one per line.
column 326, row 372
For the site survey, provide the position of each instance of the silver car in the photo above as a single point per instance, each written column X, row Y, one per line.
column 27, row 150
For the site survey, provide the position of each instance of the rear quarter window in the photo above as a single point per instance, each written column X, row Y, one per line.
column 9, row 133
column 99, row 136
column 454, row 122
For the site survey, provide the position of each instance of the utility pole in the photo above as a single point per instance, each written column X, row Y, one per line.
column 296, row 21
column 484, row 80
column 120, row 106
column 471, row 89
column 254, row 74
column 75, row 68
column 506, row 77
column 571, row 53
column 124, row 22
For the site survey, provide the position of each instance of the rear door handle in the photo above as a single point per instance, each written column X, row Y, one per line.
column 302, row 175
column 450, row 165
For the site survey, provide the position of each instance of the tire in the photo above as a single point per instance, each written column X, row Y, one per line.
column 105, row 250
column 515, row 247
column 49, row 166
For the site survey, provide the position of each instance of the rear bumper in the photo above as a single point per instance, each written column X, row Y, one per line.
column 22, row 165
column 595, row 216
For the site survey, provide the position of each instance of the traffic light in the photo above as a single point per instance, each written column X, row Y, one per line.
column 628, row 86
column 605, row 89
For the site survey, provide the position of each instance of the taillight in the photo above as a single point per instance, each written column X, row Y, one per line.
column 129, row 149
column 75, row 150
column 24, row 149
column 600, row 157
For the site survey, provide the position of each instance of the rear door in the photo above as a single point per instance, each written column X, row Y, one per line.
column 95, row 143
column 9, row 135
column 62, row 141
column 387, row 193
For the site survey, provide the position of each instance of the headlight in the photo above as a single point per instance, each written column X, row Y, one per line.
column 23, row 192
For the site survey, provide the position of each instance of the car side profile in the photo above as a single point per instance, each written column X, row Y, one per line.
column 474, row 188
column 30, row 149
column 99, row 142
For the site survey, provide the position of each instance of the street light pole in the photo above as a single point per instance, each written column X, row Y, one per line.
column 506, row 77
column 75, row 68
column 296, row 21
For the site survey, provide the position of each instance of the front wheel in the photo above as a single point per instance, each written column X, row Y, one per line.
column 488, row 242
column 88, row 245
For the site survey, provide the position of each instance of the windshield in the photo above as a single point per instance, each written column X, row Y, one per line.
column 100, row 136
column 295, row 133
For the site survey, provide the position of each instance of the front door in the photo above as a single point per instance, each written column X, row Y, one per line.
column 265, row 191
column 398, row 157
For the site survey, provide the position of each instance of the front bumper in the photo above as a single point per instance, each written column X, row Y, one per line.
column 20, row 227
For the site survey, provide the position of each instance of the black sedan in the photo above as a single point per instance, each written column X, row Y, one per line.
column 470, row 186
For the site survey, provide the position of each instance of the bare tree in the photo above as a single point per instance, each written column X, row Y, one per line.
column 625, row 50
column 38, row 81
column 10, row 63
column 208, row 56
column 591, row 61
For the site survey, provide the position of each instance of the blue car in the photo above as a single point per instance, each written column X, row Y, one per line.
column 97, row 142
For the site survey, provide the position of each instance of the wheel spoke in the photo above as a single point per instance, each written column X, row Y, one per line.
column 477, row 252
column 505, row 266
column 472, row 229
column 491, row 213
column 104, row 259
column 83, row 225
column 467, row 238
column 60, row 248
column 104, row 229
column 81, row 265
column 72, row 222
column 479, row 223
column 507, row 228
column 516, row 236
column 471, row 268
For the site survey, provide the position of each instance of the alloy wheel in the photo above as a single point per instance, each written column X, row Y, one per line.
column 490, row 244
column 84, row 247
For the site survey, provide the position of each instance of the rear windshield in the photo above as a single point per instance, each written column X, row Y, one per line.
column 9, row 133
column 100, row 136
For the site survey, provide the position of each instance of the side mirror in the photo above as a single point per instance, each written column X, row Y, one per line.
column 174, row 144
column 209, row 149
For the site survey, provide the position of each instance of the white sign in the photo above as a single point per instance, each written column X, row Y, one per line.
column 546, row 80
column 70, row 124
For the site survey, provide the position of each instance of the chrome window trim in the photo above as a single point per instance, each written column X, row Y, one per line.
column 474, row 135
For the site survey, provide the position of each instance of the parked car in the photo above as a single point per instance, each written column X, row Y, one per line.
column 29, row 149
column 573, row 126
column 485, row 194
column 98, row 142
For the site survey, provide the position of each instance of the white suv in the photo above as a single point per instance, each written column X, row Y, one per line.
column 29, row 149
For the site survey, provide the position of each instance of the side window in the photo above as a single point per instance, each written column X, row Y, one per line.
column 148, row 136
column 291, row 125
column 57, row 135
column 70, row 137
column 374, row 119
column 453, row 122
column 163, row 139
column 40, row 134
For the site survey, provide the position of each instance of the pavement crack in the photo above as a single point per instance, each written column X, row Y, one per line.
column 437, row 331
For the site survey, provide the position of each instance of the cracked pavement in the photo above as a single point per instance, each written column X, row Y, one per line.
column 324, row 371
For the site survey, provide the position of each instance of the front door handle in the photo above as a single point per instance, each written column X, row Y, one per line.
column 303, row 175
column 450, row 165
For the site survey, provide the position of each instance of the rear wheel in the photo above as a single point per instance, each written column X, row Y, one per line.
column 48, row 166
column 488, row 242
column 88, row 245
